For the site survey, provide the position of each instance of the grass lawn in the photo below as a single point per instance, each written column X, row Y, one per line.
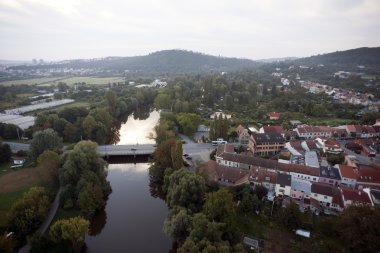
column 31, row 81
column 93, row 80
column 4, row 168
column 65, row 214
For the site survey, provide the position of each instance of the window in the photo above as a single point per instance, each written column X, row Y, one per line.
column 325, row 197
column 315, row 195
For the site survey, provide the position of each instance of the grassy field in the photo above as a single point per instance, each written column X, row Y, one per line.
column 68, row 80
column 31, row 81
column 93, row 80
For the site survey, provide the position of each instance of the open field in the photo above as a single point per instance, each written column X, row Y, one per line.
column 15, row 180
column 92, row 80
column 32, row 81
column 68, row 80
column 13, row 184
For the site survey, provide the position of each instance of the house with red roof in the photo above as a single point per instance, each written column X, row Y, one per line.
column 274, row 115
column 263, row 177
column 272, row 129
column 355, row 197
column 348, row 174
column 225, row 175
column 322, row 193
column 311, row 132
column 368, row 178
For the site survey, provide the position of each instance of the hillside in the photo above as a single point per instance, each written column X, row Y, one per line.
column 167, row 61
column 359, row 56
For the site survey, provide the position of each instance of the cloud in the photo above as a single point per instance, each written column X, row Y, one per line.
column 53, row 29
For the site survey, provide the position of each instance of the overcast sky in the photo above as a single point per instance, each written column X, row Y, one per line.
column 255, row 29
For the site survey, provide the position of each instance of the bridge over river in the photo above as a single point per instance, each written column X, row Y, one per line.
column 126, row 150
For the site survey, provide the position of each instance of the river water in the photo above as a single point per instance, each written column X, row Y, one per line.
column 132, row 220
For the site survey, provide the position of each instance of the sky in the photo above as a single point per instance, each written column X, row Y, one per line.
column 253, row 29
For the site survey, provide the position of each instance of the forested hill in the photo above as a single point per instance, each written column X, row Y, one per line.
column 359, row 56
column 167, row 61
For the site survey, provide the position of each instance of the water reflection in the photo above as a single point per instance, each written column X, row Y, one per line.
column 98, row 223
column 138, row 127
column 134, row 219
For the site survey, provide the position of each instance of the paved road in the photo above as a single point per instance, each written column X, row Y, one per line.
column 49, row 218
column 361, row 158
column 15, row 146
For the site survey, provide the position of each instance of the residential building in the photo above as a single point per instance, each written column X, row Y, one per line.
column 243, row 135
column 274, row 115
column 266, row 144
column 283, row 184
column 329, row 175
column 348, row 174
column 322, row 193
column 355, row 197
column 300, row 189
column 220, row 114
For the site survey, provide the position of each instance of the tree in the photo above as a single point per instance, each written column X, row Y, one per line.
column 44, row 140
column 290, row 216
column 84, row 178
column 246, row 204
column 177, row 224
column 219, row 206
column 48, row 165
column 357, row 227
column 6, row 244
column 5, row 153
column 111, row 99
column 72, row 230
column 260, row 191
column 89, row 125
column 186, row 189
column 28, row 212
column 176, row 155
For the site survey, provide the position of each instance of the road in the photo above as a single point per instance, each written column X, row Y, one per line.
column 15, row 146
column 359, row 157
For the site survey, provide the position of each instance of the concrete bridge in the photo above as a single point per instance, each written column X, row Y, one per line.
column 126, row 150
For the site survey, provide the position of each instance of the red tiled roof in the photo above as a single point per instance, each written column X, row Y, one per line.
column 332, row 142
column 356, row 195
column 348, row 171
column 274, row 114
column 337, row 197
column 225, row 148
column 273, row 129
column 323, row 189
column 262, row 175
column 369, row 129
column 298, row 168
column 218, row 172
column 369, row 176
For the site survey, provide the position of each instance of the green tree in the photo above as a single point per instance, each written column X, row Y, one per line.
column 84, row 177
column 290, row 216
column 5, row 153
column 89, row 124
column 28, row 212
column 48, row 165
column 111, row 99
column 358, row 228
column 246, row 204
column 219, row 206
column 176, row 155
column 177, row 224
column 44, row 140
column 186, row 189
column 72, row 230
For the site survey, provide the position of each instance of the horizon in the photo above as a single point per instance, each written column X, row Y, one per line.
column 82, row 29
column 186, row 50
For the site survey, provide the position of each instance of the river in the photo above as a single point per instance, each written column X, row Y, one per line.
column 132, row 220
